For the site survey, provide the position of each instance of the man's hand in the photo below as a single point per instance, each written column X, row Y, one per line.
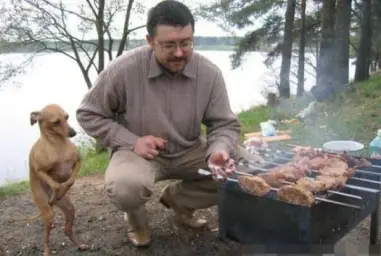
column 221, row 165
column 149, row 146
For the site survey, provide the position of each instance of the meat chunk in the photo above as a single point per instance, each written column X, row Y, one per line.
column 294, row 194
column 316, row 162
column 290, row 171
column 363, row 163
column 334, row 171
column 315, row 186
column 253, row 185
column 333, row 182
column 336, row 163
column 274, row 179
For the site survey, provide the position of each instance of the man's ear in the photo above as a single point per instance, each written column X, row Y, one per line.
column 149, row 40
column 34, row 117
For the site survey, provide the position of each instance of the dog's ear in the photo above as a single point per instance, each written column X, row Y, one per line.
column 34, row 117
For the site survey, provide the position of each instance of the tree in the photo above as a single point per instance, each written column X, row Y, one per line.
column 302, row 46
column 376, row 43
column 325, row 71
column 343, row 24
column 7, row 69
column 364, row 50
column 47, row 26
column 284, row 84
column 240, row 14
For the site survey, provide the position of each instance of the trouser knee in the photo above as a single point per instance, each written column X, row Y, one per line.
column 127, row 195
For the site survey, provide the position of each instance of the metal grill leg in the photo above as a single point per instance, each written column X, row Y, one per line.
column 374, row 226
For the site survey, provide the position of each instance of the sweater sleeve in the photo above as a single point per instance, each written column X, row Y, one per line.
column 223, row 127
column 97, row 112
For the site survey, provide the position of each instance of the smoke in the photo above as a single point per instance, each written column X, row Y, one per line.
column 324, row 120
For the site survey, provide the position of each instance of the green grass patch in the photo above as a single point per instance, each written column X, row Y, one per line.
column 14, row 188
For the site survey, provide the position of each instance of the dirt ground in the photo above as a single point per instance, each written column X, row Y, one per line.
column 101, row 226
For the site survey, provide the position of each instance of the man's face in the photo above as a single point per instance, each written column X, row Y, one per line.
column 173, row 46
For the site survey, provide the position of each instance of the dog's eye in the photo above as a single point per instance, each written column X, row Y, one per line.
column 67, row 117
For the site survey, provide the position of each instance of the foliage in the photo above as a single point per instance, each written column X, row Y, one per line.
column 69, row 28
column 7, row 69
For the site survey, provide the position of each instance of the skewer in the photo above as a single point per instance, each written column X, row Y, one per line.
column 289, row 153
column 205, row 172
column 357, row 170
column 353, row 178
column 293, row 145
column 329, row 191
column 347, row 185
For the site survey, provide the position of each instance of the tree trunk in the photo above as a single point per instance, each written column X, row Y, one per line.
column 271, row 99
column 124, row 39
column 99, row 148
column 324, row 71
column 284, row 85
column 343, row 22
column 364, row 50
column 302, row 45
column 100, row 34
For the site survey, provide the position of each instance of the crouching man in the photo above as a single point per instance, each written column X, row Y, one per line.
column 148, row 106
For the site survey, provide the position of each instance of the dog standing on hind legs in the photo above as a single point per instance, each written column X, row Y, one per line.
column 53, row 165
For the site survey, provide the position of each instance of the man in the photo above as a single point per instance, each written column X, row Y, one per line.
column 148, row 106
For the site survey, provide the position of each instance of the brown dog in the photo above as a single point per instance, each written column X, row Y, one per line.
column 53, row 164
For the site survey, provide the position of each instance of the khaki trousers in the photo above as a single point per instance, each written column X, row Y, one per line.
column 130, row 180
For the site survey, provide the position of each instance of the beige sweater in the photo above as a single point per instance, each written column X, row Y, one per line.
column 133, row 97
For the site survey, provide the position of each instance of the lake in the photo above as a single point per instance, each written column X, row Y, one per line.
column 55, row 78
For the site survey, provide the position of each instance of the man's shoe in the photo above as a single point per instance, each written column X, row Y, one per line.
column 138, row 237
column 183, row 218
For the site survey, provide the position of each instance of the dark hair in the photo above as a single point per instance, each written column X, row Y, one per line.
column 169, row 12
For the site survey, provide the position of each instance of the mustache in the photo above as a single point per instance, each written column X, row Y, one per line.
column 178, row 59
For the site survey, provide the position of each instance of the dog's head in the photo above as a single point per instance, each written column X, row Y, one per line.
column 53, row 121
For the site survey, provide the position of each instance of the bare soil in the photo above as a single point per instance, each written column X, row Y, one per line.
column 100, row 225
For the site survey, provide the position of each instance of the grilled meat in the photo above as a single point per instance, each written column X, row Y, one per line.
column 363, row 163
column 333, row 182
column 315, row 186
column 301, row 153
column 336, row 163
column 253, row 185
column 358, row 163
column 274, row 179
column 316, row 163
column 295, row 194
column 290, row 171
column 334, row 171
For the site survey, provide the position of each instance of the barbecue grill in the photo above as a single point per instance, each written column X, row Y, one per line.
column 281, row 226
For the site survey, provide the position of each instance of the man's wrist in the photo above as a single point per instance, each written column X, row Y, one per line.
column 216, row 147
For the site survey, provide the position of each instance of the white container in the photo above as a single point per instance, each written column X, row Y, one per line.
column 341, row 146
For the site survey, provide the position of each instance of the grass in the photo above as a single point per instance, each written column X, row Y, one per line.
column 351, row 115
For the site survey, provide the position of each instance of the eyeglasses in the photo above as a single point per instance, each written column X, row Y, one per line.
column 171, row 47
